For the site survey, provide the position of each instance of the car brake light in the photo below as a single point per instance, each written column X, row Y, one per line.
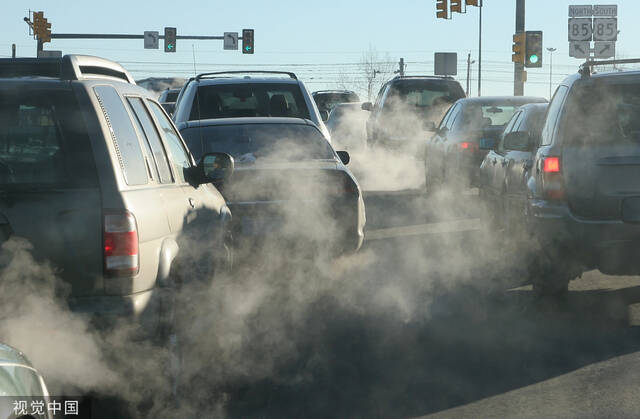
column 120, row 244
column 468, row 146
column 551, row 165
column 552, row 179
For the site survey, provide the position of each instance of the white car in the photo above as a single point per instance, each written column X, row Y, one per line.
column 238, row 94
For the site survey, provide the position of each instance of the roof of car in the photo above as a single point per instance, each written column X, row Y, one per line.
column 246, row 79
column 494, row 100
column 11, row 355
column 349, row 92
column 246, row 121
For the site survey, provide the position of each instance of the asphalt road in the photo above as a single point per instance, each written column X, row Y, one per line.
column 438, row 322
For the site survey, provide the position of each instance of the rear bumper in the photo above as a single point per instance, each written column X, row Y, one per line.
column 145, row 309
column 259, row 222
column 610, row 245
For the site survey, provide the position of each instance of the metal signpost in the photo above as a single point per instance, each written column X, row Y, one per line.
column 598, row 23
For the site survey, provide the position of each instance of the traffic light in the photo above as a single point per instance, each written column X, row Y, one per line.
column 473, row 2
column 247, row 41
column 533, row 49
column 41, row 28
column 442, row 9
column 518, row 48
column 170, row 39
column 456, row 6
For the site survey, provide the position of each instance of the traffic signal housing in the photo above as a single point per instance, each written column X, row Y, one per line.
column 472, row 2
column 518, row 48
column 456, row 6
column 170, row 39
column 247, row 41
column 533, row 49
column 41, row 28
column 442, row 9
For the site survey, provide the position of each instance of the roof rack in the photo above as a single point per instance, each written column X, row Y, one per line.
column 69, row 67
column 585, row 68
column 334, row 91
column 217, row 73
column 422, row 77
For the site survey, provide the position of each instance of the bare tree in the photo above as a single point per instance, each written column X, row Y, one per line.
column 372, row 71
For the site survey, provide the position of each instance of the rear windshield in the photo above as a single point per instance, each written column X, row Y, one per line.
column 249, row 142
column 422, row 93
column 328, row 101
column 249, row 100
column 483, row 116
column 169, row 96
column 603, row 113
column 43, row 140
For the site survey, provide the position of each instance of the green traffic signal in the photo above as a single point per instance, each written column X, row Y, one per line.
column 533, row 59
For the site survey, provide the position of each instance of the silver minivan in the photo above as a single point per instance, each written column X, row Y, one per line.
column 94, row 174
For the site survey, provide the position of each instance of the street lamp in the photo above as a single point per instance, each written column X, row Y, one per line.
column 551, row 50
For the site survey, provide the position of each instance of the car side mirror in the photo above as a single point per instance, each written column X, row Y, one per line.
column 344, row 157
column 216, row 168
column 366, row 106
column 487, row 144
column 324, row 115
column 518, row 141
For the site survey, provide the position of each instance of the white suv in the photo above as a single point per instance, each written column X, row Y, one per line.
column 236, row 94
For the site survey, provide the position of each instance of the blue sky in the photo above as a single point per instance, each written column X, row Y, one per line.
column 316, row 39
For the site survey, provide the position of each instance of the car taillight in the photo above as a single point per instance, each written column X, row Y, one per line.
column 552, row 180
column 120, row 244
column 469, row 146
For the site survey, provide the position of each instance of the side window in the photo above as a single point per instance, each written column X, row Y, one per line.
column 512, row 125
column 552, row 114
column 177, row 154
column 455, row 113
column 153, row 139
column 123, row 135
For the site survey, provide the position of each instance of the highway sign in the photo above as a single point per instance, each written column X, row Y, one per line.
column 605, row 10
column 605, row 29
column 605, row 49
column 580, row 10
column 151, row 39
column 580, row 29
column 579, row 49
column 231, row 40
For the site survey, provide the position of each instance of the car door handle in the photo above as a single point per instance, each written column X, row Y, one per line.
column 192, row 202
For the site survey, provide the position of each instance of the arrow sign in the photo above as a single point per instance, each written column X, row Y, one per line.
column 579, row 49
column 230, row 40
column 605, row 49
column 151, row 39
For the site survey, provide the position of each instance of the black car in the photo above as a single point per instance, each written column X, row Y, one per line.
column 404, row 105
column 326, row 100
column 502, row 171
column 583, row 206
column 461, row 141
column 288, row 181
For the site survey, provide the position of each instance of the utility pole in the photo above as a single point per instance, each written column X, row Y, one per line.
column 480, row 48
column 469, row 62
column 518, row 68
column 400, row 69
column 13, row 50
column 551, row 50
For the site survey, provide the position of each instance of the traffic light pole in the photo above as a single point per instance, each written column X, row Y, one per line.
column 480, row 48
column 125, row 36
column 518, row 68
